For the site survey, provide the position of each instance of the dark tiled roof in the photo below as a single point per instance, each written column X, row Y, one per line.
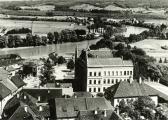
column 4, row 91
column 82, row 94
column 17, row 81
column 44, row 113
column 45, row 94
column 11, row 103
column 101, row 62
column 89, row 115
column 134, row 89
column 100, row 53
column 20, row 114
column 69, row 107
column 5, row 81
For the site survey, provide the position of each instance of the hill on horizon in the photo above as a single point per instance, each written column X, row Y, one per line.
column 99, row 3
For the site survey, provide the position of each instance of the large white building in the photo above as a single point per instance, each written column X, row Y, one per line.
column 105, row 72
column 97, row 70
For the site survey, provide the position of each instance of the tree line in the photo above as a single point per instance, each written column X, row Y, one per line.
column 66, row 35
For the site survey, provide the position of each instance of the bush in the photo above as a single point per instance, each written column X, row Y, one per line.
column 71, row 64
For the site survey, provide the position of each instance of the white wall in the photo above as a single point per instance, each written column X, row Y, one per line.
column 107, row 77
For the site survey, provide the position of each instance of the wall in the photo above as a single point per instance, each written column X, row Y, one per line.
column 106, row 79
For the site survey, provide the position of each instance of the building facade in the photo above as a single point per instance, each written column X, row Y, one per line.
column 95, row 71
column 105, row 72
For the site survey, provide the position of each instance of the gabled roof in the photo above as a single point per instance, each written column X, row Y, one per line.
column 134, row 89
column 5, row 81
column 17, row 81
column 20, row 114
column 4, row 91
column 89, row 115
column 100, row 53
column 45, row 94
column 69, row 107
column 105, row 62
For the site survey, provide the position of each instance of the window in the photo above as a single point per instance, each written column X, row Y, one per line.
column 112, row 81
column 99, row 82
column 98, row 89
column 116, row 80
column 117, row 73
column 90, row 81
column 120, row 72
column 104, row 88
column 94, row 89
column 104, row 81
column 108, row 73
column 90, row 89
column 130, row 72
column 99, row 73
column 90, row 73
column 94, row 81
column 94, row 73
column 125, row 73
column 108, row 81
column 104, row 73
column 112, row 73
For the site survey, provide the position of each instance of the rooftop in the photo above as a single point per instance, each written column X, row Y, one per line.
column 4, row 91
column 134, row 89
column 17, row 81
column 69, row 107
column 107, row 62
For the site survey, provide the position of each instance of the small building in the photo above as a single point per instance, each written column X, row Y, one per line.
column 130, row 91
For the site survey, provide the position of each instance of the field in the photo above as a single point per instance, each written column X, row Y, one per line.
column 153, row 47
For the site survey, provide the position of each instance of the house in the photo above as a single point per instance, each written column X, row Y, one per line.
column 95, row 74
column 131, row 90
column 81, row 109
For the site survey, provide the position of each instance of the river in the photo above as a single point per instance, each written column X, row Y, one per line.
column 43, row 51
column 43, row 27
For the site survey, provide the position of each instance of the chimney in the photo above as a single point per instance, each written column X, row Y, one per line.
column 25, row 97
column 25, row 108
column 40, row 108
column 95, row 112
column 149, row 79
column 140, row 80
column 105, row 113
column 131, row 80
column 18, row 95
column 39, row 98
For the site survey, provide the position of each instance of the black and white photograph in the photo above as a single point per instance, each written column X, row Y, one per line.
column 83, row 59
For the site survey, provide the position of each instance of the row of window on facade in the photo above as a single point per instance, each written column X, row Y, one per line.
column 94, row 89
column 107, row 81
column 111, row 73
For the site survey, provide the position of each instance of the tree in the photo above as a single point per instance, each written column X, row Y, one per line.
column 11, row 41
column 71, row 64
column 18, row 40
column 44, row 40
column 56, row 37
column 139, row 51
column 61, row 60
column 29, row 40
column 47, row 73
column 50, row 37
column 144, row 102
column 2, row 41
column 120, row 46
